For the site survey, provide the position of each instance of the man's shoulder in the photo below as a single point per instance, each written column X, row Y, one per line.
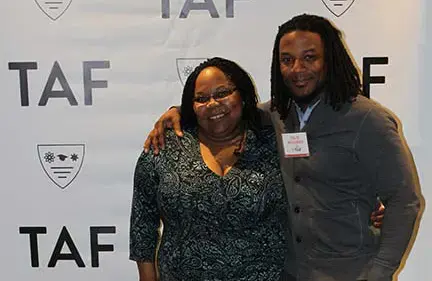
column 372, row 112
column 362, row 105
column 265, row 106
column 266, row 113
column 365, row 104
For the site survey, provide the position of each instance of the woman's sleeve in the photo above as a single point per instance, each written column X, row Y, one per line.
column 145, row 218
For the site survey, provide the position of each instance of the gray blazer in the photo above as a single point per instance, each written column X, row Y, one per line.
column 356, row 154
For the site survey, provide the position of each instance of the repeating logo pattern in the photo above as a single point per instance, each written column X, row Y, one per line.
column 54, row 9
column 61, row 162
column 338, row 7
column 185, row 66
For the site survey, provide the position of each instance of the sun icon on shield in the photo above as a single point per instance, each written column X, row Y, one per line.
column 74, row 157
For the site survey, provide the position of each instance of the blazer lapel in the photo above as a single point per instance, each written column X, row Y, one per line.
column 322, row 114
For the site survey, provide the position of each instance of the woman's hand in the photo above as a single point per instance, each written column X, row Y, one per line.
column 377, row 216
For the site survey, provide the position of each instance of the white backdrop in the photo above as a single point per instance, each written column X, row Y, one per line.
column 115, row 66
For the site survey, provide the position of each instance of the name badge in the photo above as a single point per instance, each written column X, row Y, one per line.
column 295, row 145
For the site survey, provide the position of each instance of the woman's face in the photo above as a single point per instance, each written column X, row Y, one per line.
column 217, row 103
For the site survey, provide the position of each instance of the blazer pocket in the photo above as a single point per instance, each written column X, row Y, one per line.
column 337, row 233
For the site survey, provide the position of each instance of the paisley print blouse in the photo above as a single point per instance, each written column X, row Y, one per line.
column 231, row 227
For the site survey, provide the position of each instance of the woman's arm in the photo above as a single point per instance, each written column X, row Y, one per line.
column 145, row 218
column 147, row 271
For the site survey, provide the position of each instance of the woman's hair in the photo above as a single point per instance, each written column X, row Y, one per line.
column 342, row 82
column 237, row 76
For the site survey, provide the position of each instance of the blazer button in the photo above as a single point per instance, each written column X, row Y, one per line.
column 297, row 178
column 298, row 239
column 297, row 210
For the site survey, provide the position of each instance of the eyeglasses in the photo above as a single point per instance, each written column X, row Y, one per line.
column 217, row 96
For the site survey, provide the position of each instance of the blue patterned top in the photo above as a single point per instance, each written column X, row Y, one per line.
column 231, row 227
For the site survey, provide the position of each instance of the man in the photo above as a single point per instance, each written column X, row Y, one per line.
column 338, row 152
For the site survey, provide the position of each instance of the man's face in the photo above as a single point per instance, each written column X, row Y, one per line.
column 301, row 60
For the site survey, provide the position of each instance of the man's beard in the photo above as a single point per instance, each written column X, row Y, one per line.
column 308, row 99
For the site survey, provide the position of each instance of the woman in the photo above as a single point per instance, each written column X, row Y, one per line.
column 217, row 190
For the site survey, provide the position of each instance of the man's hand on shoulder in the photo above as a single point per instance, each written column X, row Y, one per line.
column 156, row 139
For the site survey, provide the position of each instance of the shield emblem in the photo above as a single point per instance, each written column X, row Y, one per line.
column 61, row 162
column 185, row 66
column 338, row 7
column 54, row 8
